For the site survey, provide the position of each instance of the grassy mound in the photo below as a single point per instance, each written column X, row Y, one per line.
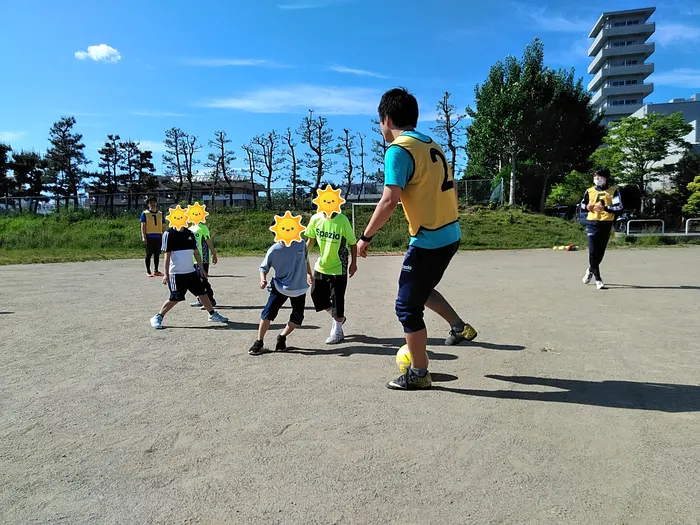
column 85, row 236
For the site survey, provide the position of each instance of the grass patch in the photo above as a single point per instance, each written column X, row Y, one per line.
column 85, row 236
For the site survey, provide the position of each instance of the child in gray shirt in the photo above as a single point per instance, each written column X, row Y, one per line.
column 293, row 275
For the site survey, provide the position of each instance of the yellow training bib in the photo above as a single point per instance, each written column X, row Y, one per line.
column 154, row 222
column 604, row 197
column 429, row 199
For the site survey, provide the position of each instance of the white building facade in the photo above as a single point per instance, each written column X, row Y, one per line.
column 619, row 66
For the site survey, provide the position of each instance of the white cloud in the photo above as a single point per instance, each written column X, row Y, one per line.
column 428, row 116
column 156, row 114
column 152, row 145
column 359, row 72
column 682, row 78
column 234, row 62
column 10, row 136
column 554, row 23
column 668, row 34
column 101, row 53
column 308, row 4
column 328, row 100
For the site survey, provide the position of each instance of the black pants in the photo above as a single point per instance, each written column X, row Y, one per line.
column 153, row 248
column 207, row 285
column 328, row 291
column 598, row 236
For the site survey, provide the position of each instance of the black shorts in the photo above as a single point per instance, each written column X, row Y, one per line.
column 328, row 291
column 153, row 245
column 277, row 300
column 181, row 283
column 421, row 272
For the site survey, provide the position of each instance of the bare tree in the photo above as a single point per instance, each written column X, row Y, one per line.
column 363, row 174
column 293, row 164
column 220, row 160
column 315, row 133
column 252, row 169
column 346, row 147
column 450, row 130
column 173, row 159
column 268, row 149
column 379, row 147
column 190, row 148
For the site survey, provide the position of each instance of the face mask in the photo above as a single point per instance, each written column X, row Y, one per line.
column 599, row 181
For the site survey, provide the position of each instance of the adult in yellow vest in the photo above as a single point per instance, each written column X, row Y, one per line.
column 418, row 175
column 152, row 229
column 603, row 202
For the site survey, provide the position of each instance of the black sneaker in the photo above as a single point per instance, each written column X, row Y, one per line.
column 281, row 345
column 410, row 381
column 256, row 349
column 466, row 334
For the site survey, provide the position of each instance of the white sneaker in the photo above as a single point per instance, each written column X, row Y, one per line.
column 157, row 321
column 600, row 285
column 336, row 337
column 587, row 278
column 216, row 317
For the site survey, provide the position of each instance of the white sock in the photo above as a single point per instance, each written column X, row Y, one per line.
column 337, row 327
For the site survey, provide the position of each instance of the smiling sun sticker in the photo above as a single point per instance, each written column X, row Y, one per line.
column 288, row 228
column 196, row 213
column 177, row 218
column 328, row 200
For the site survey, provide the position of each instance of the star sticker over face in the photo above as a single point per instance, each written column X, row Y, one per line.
column 196, row 213
column 328, row 200
column 177, row 218
column 288, row 228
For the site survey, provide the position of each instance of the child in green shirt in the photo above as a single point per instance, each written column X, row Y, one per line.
column 334, row 236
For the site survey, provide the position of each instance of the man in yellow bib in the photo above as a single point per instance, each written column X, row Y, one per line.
column 602, row 202
column 152, row 229
column 417, row 175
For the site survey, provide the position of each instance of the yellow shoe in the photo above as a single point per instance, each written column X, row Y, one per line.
column 466, row 334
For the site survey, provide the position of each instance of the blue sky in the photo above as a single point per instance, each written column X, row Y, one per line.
column 250, row 66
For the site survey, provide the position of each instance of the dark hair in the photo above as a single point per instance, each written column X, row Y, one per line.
column 401, row 107
column 602, row 172
column 149, row 200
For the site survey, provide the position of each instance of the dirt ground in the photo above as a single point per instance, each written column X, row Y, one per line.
column 573, row 406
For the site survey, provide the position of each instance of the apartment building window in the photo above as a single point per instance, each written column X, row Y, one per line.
column 631, row 82
column 623, row 43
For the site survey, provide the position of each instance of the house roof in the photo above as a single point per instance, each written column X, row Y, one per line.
column 645, row 11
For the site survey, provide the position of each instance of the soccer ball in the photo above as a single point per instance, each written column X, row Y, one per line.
column 403, row 359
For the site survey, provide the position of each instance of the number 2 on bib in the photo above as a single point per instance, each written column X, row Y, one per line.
column 446, row 183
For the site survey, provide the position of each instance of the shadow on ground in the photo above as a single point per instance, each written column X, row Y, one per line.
column 226, row 276
column 641, row 287
column 239, row 307
column 661, row 397
column 233, row 325
column 397, row 342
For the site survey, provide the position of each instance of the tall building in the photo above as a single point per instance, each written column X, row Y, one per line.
column 619, row 52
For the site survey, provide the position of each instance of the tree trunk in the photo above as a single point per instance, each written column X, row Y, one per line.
column 543, row 196
column 511, row 197
column 255, row 196
column 294, row 188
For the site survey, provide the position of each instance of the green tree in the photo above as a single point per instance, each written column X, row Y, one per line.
column 570, row 190
column 684, row 172
column 29, row 171
column 636, row 146
column 174, row 158
column 66, row 161
column 693, row 205
column 111, row 156
column 146, row 171
column 527, row 113
column 7, row 184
